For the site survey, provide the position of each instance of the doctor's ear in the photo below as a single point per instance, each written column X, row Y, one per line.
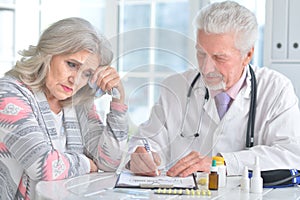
column 248, row 57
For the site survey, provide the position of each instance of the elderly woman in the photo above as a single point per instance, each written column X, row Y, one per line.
column 49, row 127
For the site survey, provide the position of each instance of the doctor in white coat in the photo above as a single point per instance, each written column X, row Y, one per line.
column 184, row 134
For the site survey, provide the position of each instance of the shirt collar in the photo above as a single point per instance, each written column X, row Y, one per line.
column 234, row 90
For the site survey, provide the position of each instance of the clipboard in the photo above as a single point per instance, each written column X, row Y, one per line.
column 127, row 179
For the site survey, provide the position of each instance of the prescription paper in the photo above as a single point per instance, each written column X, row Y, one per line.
column 128, row 179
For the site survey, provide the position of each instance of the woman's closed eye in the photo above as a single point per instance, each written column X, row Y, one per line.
column 72, row 64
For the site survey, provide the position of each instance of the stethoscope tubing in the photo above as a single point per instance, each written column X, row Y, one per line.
column 252, row 109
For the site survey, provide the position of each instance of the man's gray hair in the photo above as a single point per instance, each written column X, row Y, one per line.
column 229, row 17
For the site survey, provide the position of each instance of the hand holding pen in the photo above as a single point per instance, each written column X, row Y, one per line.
column 147, row 147
column 144, row 162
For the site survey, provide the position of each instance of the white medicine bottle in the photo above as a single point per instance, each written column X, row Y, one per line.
column 221, row 170
column 256, row 182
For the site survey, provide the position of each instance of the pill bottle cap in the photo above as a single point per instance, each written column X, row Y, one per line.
column 219, row 160
column 256, row 170
column 214, row 167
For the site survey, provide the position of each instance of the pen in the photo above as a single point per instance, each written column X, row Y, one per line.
column 147, row 147
column 195, row 180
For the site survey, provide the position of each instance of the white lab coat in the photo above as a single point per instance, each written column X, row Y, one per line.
column 277, row 124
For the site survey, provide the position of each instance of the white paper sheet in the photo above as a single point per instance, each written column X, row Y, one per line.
column 130, row 180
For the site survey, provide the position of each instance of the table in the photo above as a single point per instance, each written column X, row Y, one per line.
column 101, row 186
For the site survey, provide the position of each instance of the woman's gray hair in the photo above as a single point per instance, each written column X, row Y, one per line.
column 226, row 17
column 67, row 36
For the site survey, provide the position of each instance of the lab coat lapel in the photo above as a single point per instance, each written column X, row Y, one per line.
column 209, row 105
column 211, row 110
column 238, row 105
column 235, row 109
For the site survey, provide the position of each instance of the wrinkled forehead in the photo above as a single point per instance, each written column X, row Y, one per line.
column 217, row 43
column 91, row 61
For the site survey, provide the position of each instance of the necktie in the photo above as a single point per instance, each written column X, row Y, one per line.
column 222, row 102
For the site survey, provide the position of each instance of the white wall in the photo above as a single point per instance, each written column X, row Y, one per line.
column 282, row 39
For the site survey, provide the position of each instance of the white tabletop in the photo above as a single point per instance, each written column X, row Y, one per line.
column 101, row 186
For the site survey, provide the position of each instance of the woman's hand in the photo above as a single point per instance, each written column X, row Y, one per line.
column 108, row 78
column 93, row 166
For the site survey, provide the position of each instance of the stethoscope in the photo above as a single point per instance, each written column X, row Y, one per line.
column 252, row 110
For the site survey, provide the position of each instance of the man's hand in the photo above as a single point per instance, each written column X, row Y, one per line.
column 142, row 164
column 189, row 164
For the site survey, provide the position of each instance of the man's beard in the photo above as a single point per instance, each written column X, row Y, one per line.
column 214, row 81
